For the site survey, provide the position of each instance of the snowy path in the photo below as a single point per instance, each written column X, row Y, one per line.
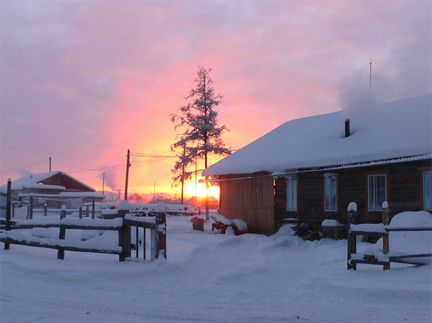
column 211, row 278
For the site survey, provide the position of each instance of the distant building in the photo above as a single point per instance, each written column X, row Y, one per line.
column 52, row 188
column 311, row 168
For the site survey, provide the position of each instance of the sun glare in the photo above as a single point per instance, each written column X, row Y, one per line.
column 200, row 190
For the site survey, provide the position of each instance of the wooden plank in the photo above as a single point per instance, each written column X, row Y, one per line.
column 161, row 231
column 375, row 234
column 351, row 241
column 421, row 255
column 136, row 242
column 129, row 222
column 60, row 251
column 31, row 208
column 66, row 248
column 389, row 229
column 144, row 244
column 369, row 262
column 84, row 227
column 68, row 226
column 8, row 211
column 386, row 241
column 408, row 262
column 36, row 225
column 93, row 208
column 124, row 242
column 154, row 245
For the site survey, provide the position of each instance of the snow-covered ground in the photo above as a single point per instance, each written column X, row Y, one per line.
column 212, row 278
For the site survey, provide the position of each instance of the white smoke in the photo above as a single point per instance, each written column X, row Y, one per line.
column 23, row 171
column 357, row 100
column 111, row 179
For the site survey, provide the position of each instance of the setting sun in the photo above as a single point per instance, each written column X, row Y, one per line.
column 200, row 190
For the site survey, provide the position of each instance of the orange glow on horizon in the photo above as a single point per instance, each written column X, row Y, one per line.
column 200, row 190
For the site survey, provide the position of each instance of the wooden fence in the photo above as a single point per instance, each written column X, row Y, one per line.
column 383, row 229
column 156, row 225
column 122, row 223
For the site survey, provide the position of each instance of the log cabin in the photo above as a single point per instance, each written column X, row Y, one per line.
column 311, row 168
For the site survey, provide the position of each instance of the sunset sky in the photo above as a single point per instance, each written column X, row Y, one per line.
column 83, row 81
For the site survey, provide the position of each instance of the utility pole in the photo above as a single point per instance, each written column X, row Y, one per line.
column 196, row 178
column 183, row 173
column 49, row 164
column 103, row 183
column 128, row 164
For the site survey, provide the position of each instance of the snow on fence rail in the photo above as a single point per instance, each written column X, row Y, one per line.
column 11, row 233
column 156, row 225
column 375, row 256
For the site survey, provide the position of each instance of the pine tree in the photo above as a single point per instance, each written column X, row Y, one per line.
column 198, row 119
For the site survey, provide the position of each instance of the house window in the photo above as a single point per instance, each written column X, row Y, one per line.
column 377, row 192
column 291, row 193
column 427, row 190
column 329, row 192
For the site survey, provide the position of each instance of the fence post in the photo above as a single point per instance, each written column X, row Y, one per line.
column 144, row 242
column 8, row 212
column 45, row 209
column 93, row 208
column 161, row 231
column 154, row 244
column 351, row 241
column 87, row 211
column 31, row 207
column 80, row 212
column 63, row 212
column 124, row 233
column 136, row 242
column 386, row 237
column 62, row 235
column 124, row 241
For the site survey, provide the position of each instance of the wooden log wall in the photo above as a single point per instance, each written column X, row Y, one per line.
column 404, row 192
column 250, row 199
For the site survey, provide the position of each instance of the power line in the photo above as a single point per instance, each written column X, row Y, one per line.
column 142, row 155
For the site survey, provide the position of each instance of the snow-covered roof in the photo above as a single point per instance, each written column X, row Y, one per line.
column 33, row 181
column 387, row 131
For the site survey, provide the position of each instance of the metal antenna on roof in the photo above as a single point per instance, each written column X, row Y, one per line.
column 370, row 76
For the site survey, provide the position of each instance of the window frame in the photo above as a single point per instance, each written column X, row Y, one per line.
column 328, row 176
column 378, row 207
column 424, row 197
column 293, row 208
